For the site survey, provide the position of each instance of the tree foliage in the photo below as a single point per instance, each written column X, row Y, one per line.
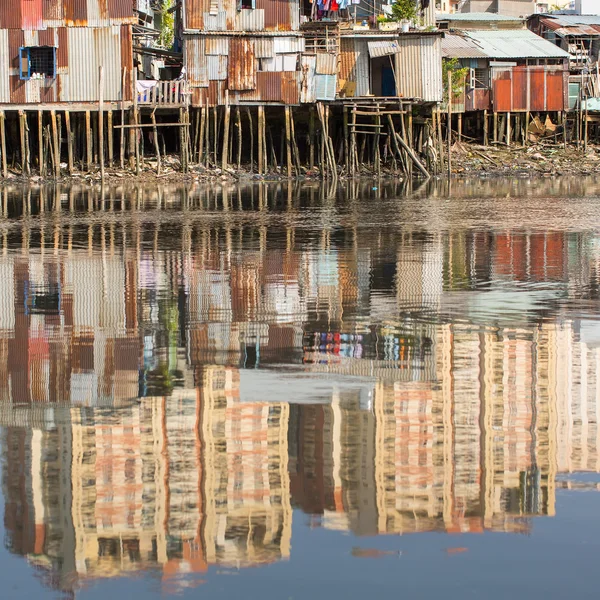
column 167, row 29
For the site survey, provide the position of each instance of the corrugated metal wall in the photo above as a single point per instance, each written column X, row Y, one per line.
column 354, row 66
column 80, row 52
column 222, row 15
column 419, row 67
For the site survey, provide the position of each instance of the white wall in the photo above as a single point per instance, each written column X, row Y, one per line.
column 587, row 7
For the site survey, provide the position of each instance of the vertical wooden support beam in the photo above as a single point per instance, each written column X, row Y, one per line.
column 353, row 161
column 101, row 120
column 69, row 142
column 495, row 126
column 88, row 140
column 138, row 168
column 296, row 152
column 563, row 119
column 3, row 144
column 225, row 154
column 288, row 141
column 41, row 143
column 122, row 133
column 110, row 140
column 346, row 141
column 201, row 136
column 56, row 143
column 238, row 128
column 508, row 129
column 449, row 123
column 485, row 128
column 376, row 151
column 261, row 157
column 22, row 138
column 156, row 144
column 311, row 138
column 263, row 134
column 526, row 129
column 585, row 127
column 249, row 113
column 460, row 126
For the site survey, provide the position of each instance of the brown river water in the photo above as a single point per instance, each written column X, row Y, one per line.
column 289, row 391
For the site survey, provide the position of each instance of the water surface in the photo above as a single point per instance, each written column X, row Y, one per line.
column 299, row 391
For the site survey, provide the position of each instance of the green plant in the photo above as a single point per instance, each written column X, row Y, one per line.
column 167, row 27
column 404, row 10
column 459, row 75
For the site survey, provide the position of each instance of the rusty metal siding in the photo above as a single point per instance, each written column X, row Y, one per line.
column 119, row 10
column 62, row 54
column 4, row 67
column 10, row 15
column 290, row 89
column 278, row 14
column 217, row 68
column 76, row 13
column 194, row 14
column 127, row 61
column 47, row 38
column 264, row 47
column 250, row 20
column 32, row 17
column 242, row 72
column 325, row 87
column 53, row 12
column 327, row 64
column 307, row 79
column 216, row 22
column 195, row 61
column 216, row 46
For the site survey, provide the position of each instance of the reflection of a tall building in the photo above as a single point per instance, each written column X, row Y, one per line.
column 160, row 463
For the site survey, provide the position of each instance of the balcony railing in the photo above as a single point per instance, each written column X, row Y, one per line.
column 162, row 93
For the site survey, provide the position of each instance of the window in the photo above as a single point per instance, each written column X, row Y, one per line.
column 479, row 79
column 246, row 4
column 37, row 62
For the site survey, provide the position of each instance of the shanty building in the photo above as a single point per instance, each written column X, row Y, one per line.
column 51, row 51
column 579, row 35
column 509, row 72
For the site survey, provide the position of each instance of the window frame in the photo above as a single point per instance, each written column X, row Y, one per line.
column 241, row 7
column 25, row 54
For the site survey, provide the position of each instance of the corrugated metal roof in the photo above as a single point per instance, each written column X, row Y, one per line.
column 383, row 48
column 475, row 16
column 570, row 20
column 515, row 43
column 459, row 46
column 564, row 28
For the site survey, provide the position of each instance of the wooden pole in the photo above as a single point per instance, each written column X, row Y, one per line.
column 238, row 128
column 135, row 122
column 202, row 135
column 88, row 140
column 460, row 124
column 3, row 144
column 69, row 141
column 261, row 157
column 101, row 120
column 353, row 161
column 508, row 129
column 346, row 141
column 440, row 139
column 288, row 141
column 449, row 124
column 41, row 142
column 485, row 128
column 56, row 145
column 110, row 140
column 311, row 138
column 156, row 144
column 22, row 138
column 585, row 127
column 226, row 132
column 251, row 124
column 296, row 152
column 122, row 136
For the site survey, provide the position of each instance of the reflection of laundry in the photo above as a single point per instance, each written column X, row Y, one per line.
column 343, row 4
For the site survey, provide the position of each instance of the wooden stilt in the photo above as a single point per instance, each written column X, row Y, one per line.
column 288, row 141
column 101, row 121
column 346, row 141
column 122, row 134
column 526, row 129
column 225, row 154
column 260, row 124
column 202, row 136
column 485, row 128
column 22, row 138
column 450, row 94
column 215, row 134
column 55, row 143
column 238, row 128
column 110, row 139
column 156, row 144
column 353, row 160
column 88, row 140
column 69, row 142
column 311, row 138
column 495, row 126
column 508, row 129
column 41, row 142
column 460, row 126
column 439, row 139
column 3, row 144
column 295, row 151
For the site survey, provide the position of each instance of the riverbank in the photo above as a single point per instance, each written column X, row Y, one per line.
column 468, row 160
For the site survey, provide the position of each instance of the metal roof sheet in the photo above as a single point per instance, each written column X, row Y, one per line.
column 475, row 16
column 564, row 28
column 515, row 43
column 383, row 48
column 570, row 20
column 458, row 46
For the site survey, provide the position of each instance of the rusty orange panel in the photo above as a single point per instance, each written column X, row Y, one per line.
column 502, row 94
column 194, row 13
column 555, row 96
column 53, row 10
column 47, row 37
column 289, row 88
column 278, row 16
column 119, row 9
column 47, row 94
column 76, row 12
column 127, row 60
column 519, row 88
column 241, row 68
column 10, row 15
column 16, row 39
column 536, row 89
column 17, row 90
column 62, row 54
column 32, row 15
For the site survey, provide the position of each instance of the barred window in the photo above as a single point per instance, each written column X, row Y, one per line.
column 37, row 61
